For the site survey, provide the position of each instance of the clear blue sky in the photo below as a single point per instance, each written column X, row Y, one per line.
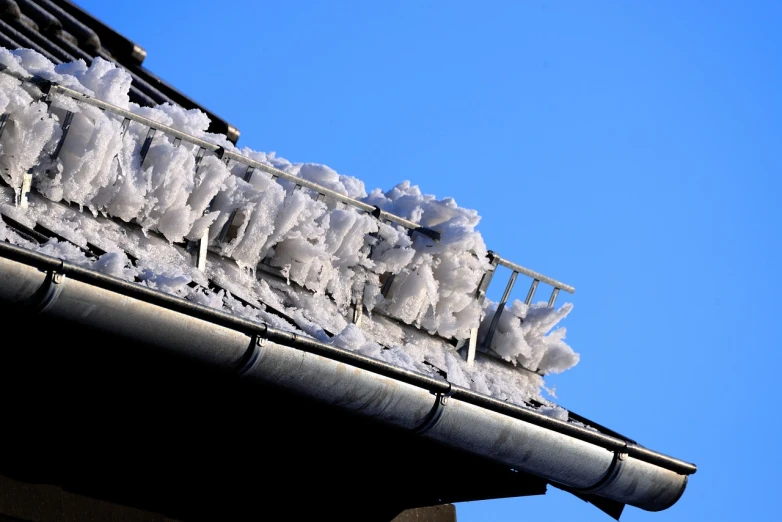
column 631, row 149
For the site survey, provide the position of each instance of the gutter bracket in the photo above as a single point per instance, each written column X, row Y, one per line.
column 617, row 465
column 50, row 290
column 592, row 494
column 436, row 413
column 252, row 355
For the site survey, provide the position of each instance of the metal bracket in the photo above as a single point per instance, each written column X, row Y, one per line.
column 472, row 347
column 358, row 307
column 220, row 153
column 50, row 290
column 436, row 413
column 24, row 191
column 614, row 470
column 203, row 244
column 252, row 355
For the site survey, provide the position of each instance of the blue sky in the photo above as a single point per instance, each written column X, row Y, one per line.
column 631, row 149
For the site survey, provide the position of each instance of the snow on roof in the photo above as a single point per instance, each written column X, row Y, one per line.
column 122, row 201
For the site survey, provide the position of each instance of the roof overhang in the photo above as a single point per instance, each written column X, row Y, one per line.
column 126, row 389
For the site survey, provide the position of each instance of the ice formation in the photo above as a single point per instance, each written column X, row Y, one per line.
column 327, row 254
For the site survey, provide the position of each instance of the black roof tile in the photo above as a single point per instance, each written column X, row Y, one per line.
column 63, row 32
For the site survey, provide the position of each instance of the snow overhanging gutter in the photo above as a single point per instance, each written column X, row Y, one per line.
column 580, row 460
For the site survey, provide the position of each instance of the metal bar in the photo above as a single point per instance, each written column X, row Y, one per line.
column 83, row 98
column 500, row 307
column 3, row 121
column 203, row 244
column 531, row 293
column 553, row 298
column 341, row 199
column 533, row 274
column 147, row 143
column 125, row 125
column 509, row 287
column 233, row 156
column 472, row 347
column 66, row 126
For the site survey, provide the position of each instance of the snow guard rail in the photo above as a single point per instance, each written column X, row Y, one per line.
column 200, row 247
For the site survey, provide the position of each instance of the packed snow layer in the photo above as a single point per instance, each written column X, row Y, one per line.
column 333, row 256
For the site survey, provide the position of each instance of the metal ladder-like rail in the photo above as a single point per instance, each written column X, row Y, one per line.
column 200, row 247
column 480, row 294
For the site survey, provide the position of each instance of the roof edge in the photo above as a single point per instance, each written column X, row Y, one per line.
column 575, row 457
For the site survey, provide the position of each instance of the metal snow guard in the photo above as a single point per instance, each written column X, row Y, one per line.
column 50, row 89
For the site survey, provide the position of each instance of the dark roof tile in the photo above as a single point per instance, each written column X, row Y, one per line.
column 63, row 32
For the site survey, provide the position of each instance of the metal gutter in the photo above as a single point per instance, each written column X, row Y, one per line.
column 575, row 458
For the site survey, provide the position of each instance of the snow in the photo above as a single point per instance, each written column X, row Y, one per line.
column 98, row 193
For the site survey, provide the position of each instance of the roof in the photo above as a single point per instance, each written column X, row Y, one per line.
column 184, row 384
column 63, row 32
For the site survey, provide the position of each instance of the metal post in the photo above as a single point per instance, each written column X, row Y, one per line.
column 203, row 243
column 387, row 284
column 358, row 308
column 480, row 293
column 480, row 296
column 147, row 143
column 3, row 121
column 21, row 197
column 500, row 308
column 531, row 293
column 66, row 126
column 248, row 175
column 198, row 247
column 553, row 298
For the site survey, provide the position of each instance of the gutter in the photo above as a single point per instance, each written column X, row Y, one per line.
column 574, row 458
